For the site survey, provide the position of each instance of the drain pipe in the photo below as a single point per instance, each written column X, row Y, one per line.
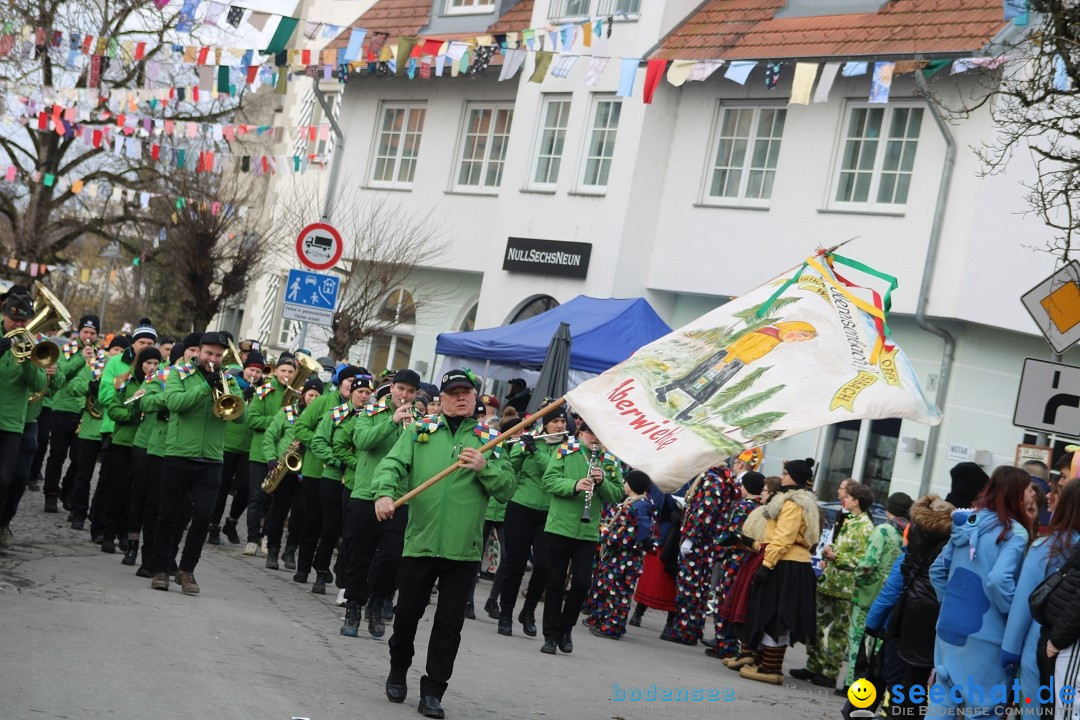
column 949, row 351
column 339, row 147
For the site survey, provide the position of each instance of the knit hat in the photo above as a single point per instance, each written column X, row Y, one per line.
column 899, row 504
column 753, row 482
column 638, row 481
column 254, row 359
column 968, row 480
column 801, row 471
column 192, row 340
column 119, row 341
column 362, row 381
column 89, row 321
column 490, row 400
column 17, row 303
column 150, row 353
column 145, row 331
column 176, row 353
column 350, row 371
column 313, row 383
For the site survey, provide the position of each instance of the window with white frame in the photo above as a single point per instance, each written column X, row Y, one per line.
column 743, row 165
column 483, row 147
column 581, row 9
column 554, row 114
column 469, row 7
column 878, row 156
column 601, row 142
column 398, row 145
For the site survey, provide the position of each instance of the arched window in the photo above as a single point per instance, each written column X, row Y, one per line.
column 469, row 321
column 392, row 350
column 533, row 307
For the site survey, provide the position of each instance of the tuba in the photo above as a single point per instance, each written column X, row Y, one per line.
column 291, row 461
column 227, row 406
column 49, row 314
column 306, row 367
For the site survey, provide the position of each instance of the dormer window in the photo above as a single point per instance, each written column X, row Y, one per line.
column 469, row 7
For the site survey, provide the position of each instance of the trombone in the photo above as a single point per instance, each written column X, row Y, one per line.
column 227, row 406
column 49, row 313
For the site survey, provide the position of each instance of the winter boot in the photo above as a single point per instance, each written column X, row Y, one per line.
column 319, row 588
column 229, row 528
column 376, row 625
column 770, row 670
column 132, row 553
column 272, row 558
column 214, row 536
column 506, row 623
column 289, row 558
column 527, row 619
column 50, row 504
column 639, row 612
column 352, row 619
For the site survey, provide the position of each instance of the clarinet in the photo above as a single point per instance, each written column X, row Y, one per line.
column 588, row 493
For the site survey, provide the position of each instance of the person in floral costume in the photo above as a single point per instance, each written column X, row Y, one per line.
column 624, row 538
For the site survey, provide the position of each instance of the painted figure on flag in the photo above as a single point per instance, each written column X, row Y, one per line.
column 715, row 371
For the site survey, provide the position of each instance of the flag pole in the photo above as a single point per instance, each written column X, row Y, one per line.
column 531, row 419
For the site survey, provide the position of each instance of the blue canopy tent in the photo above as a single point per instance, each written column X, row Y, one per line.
column 604, row 332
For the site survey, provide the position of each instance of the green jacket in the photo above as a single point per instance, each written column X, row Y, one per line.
column 496, row 511
column 281, row 432
column 530, row 472
column 447, row 520
column 567, row 504
column 322, row 444
column 194, row 431
column 876, row 562
column 345, row 452
column 125, row 418
column 148, row 426
column 268, row 400
column 17, row 381
column 89, row 427
column 238, row 435
column 374, row 435
column 308, row 424
column 113, row 369
column 838, row 578
column 153, row 403
column 66, row 399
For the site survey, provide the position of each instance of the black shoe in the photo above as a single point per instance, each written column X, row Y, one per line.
column 143, row 572
column 50, row 504
column 376, row 625
column 710, row 642
column 714, row 653
column 841, row 692
column 396, row 688
column 801, row 674
column 108, row 546
column 289, row 559
column 388, row 609
column 429, row 707
column 230, row 531
column 566, row 645
column 491, row 607
column 97, row 539
column 132, row 553
column 33, row 486
column 528, row 621
column 300, row 578
column 470, row 614
column 823, row 681
column 351, row 629
column 506, row 626
column 78, row 524
column 319, row 587
column 122, row 544
column 214, row 536
column 548, row 647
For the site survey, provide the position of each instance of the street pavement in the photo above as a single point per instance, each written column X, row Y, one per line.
column 82, row 637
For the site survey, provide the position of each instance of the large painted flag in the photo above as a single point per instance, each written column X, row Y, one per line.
column 802, row 351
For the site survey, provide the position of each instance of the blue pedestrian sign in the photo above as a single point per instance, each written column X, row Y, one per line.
column 310, row 297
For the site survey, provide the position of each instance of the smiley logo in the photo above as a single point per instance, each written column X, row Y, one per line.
column 862, row 693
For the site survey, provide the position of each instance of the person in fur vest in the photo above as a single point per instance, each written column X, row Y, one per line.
column 782, row 597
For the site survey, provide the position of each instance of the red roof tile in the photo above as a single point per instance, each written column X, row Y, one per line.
column 515, row 19
column 393, row 17
column 748, row 30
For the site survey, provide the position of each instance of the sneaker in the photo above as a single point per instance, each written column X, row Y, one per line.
column 251, row 549
column 188, row 586
column 213, row 537
column 6, row 539
column 229, row 530
column 160, row 582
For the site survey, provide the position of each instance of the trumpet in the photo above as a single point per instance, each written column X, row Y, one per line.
column 49, row 313
column 227, row 406
column 291, row 461
column 593, row 456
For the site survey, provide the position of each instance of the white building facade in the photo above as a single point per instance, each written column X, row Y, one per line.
column 702, row 195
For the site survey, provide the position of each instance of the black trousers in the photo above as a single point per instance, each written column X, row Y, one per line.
column 374, row 552
column 343, row 552
column 234, row 478
column 62, row 445
column 258, row 503
column 44, row 427
column 87, row 452
column 288, row 497
column 492, row 526
column 115, row 520
column 150, row 509
column 21, row 476
column 99, row 506
column 560, row 614
column 330, row 500
column 417, row 577
column 9, row 457
column 524, row 533
column 312, row 526
column 140, row 463
column 179, row 477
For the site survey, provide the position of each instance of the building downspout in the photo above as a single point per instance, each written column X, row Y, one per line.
column 949, row 351
column 339, row 146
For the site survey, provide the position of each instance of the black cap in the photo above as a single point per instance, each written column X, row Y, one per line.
column 176, row 353
column 286, row 358
column 382, row 392
column 119, row 341
column 214, row 338
column 17, row 303
column 801, row 471
column 638, row 481
column 455, row 379
column 409, row 377
column 968, row 480
column 753, row 482
column 228, row 335
column 254, row 359
column 518, row 381
column 193, row 340
column 313, row 383
column 90, row 321
column 166, row 339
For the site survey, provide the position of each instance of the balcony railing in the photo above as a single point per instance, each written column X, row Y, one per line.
column 564, row 10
